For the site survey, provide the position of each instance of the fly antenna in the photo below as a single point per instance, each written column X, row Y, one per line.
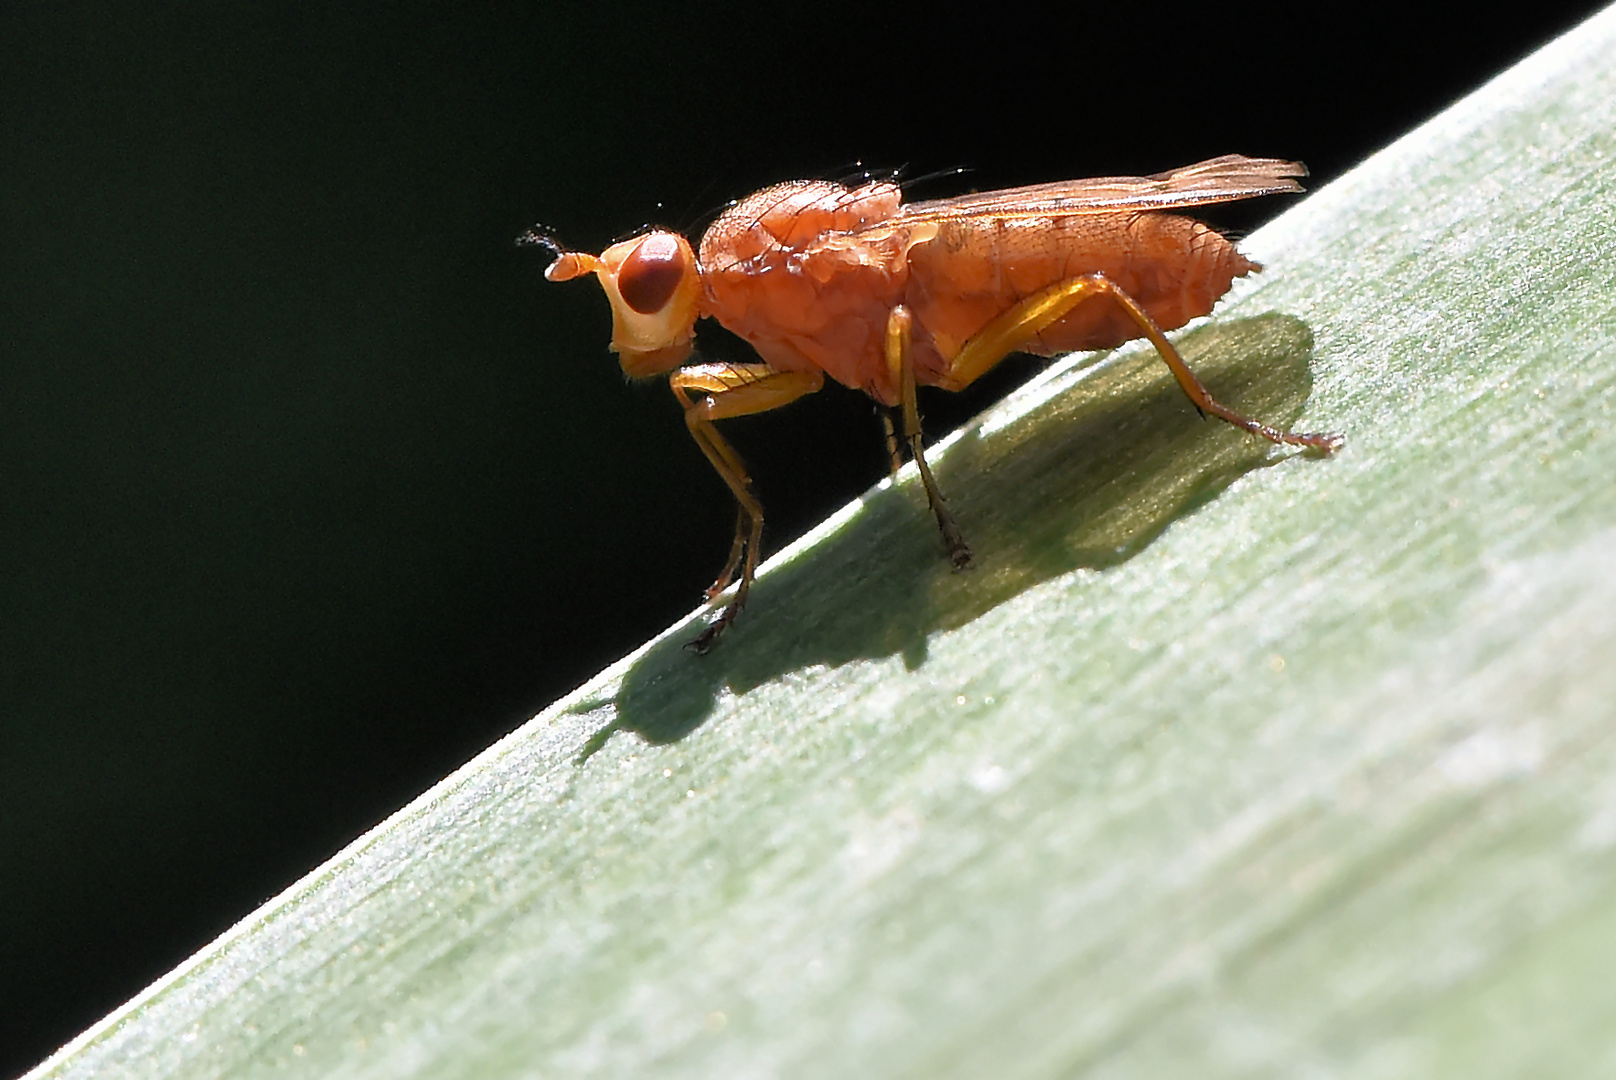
column 567, row 263
column 542, row 236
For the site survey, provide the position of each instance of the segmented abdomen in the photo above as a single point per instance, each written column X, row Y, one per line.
column 976, row 269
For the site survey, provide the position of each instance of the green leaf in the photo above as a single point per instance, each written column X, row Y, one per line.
column 1225, row 761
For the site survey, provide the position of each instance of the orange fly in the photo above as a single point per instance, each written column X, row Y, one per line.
column 881, row 295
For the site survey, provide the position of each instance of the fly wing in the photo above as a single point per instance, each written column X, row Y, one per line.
column 1221, row 179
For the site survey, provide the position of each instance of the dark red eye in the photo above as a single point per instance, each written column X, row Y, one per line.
column 649, row 276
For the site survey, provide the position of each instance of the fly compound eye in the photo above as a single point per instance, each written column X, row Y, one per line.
column 649, row 276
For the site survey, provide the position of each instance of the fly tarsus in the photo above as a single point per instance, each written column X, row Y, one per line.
column 959, row 552
column 736, row 549
column 705, row 640
column 1323, row 441
column 708, row 637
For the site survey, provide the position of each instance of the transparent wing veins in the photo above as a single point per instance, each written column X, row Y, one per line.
column 1221, row 179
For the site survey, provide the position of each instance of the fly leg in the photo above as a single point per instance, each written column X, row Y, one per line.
column 743, row 522
column 1044, row 308
column 712, row 392
column 901, row 360
column 890, row 433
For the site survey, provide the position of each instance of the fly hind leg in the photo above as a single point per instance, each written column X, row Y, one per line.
column 712, row 392
column 1048, row 306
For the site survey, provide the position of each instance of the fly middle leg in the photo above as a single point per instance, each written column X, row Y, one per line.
column 900, row 359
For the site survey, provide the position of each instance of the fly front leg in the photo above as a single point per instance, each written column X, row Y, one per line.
column 901, row 361
column 1016, row 327
column 737, row 548
column 711, row 392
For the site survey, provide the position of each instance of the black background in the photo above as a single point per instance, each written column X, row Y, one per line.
column 311, row 487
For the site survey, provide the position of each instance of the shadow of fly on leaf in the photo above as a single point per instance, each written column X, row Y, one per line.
column 1084, row 481
column 825, row 279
